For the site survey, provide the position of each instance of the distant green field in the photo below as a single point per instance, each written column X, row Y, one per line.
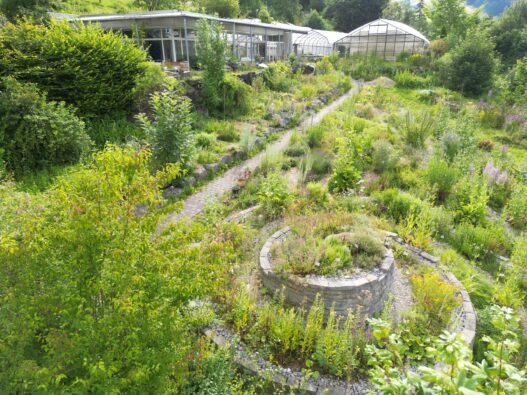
column 98, row 6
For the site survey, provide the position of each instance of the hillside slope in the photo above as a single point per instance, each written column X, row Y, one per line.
column 493, row 7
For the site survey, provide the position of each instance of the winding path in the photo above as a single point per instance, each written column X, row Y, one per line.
column 217, row 187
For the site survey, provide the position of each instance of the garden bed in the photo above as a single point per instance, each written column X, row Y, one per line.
column 365, row 291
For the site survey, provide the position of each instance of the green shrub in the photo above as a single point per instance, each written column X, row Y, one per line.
column 349, row 164
column 315, row 134
column 211, row 48
column 297, row 146
column 397, row 205
column 170, row 132
column 335, row 349
column 83, row 65
column 435, row 299
column 115, row 128
column 34, row 133
column 441, row 176
column 247, row 141
column 451, row 145
column 152, row 79
column 384, row 157
column 274, row 196
column 469, row 67
column 407, row 79
column 519, row 253
column 321, row 165
column 237, row 96
column 313, row 328
column 205, row 140
column 317, row 194
column 277, row 77
column 366, row 67
column 469, row 201
column 480, row 243
column 516, row 208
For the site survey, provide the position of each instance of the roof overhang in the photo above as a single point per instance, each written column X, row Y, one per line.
column 172, row 18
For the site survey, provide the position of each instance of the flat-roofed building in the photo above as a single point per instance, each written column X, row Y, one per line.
column 170, row 36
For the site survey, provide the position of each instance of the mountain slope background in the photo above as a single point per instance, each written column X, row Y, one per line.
column 493, row 7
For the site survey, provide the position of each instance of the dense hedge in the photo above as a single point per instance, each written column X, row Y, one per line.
column 85, row 66
column 35, row 133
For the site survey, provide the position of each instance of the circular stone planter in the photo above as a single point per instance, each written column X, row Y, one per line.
column 365, row 292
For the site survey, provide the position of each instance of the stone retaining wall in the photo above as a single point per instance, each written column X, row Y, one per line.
column 365, row 292
column 465, row 320
column 281, row 378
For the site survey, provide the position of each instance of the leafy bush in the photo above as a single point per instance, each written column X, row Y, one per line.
column 205, row 140
column 335, row 349
column 66, row 62
column 397, row 205
column 436, row 299
column 469, row 67
column 211, row 50
column 170, row 132
column 274, row 196
column 451, row 145
column 237, row 96
column 441, row 176
column 34, row 133
column 317, row 194
column 384, row 158
column 152, row 79
column 349, row 164
column 367, row 67
column 516, row 208
column 469, row 201
column 114, row 128
column 407, row 79
column 277, row 76
column 480, row 243
column 81, row 316
column 519, row 253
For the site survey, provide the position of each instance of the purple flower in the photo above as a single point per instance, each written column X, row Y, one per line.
column 495, row 175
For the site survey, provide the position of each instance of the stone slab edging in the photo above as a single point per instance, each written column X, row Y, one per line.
column 282, row 378
column 366, row 291
column 466, row 318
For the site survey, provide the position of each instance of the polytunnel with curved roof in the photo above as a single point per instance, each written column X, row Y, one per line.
column 316, row 42
column 384, row 37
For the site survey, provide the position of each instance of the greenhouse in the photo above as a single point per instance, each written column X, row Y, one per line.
column 316, row 42
column 383, row 37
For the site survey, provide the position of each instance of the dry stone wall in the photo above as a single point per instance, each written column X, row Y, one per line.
column 364, row 292
column 465, row 320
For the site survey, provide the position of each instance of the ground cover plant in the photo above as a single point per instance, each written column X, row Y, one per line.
column 328, row 246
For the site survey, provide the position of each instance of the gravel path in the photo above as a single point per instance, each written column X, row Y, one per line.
column 217, row 187
column 402, row 294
